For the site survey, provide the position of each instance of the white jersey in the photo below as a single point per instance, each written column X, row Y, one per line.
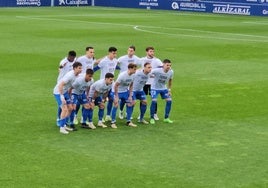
column 87, row 63
column 107, row 66
column 161, row 78
column 100, row 86
column 80, row 85
column 124, row 80
column 140, row 80
column 125, row 60
column 65, row 67
column 155, row 63
column 68, row 79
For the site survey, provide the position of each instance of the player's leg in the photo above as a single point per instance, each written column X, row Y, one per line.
column 64, row 112
column 165, row 95
column 129, row 107
column 154, row 94
column 114, row 110
column 73, row 109
column 100, row 103
column 143, row 107
column 121, row 108
column 76, row 112
column 109, row 106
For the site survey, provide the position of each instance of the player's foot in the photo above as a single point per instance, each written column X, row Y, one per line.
column 121, row 114
column 143, row 121
column 156, row 117
column 113, row 125
column 67, row 128
column 108, row 118
column 131, row 124
column 103, row 120
column 152, row 121
column 73, row 127
column 85, row 126
column 167, row 120
column 100, row 124
column 63, row 130
column 91, row 125
column 76, row 120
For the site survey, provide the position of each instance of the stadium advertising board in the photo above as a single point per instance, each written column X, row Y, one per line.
column 24, row 3
column 236, row 7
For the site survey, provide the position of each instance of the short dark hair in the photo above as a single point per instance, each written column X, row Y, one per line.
column 149, row 48
column 109, row 75
column 77, row 64
column 89, row 71
column 112, row 49
column 89, row 47
column 132, row 47
column 166, row 61
column 72, row 53
column 147, row 63
column 131, row 66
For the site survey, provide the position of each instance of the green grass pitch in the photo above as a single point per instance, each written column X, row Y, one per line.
column 220, row 101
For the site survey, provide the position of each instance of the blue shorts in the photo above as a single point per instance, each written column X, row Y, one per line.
column 97, row 101
column 79, row 99
column 122, row 96
column 140, row 95
column 66, row 97
column 164, row 93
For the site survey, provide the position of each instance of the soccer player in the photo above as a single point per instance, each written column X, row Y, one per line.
column 63, row 98
column 80, row 88
column 123, row 62
column 156, row 63
column 66, row 64
column 140, row 79
column 162, row 77
column 108, row 64
column 88, row 61
column 98, row 93
column 122, row 91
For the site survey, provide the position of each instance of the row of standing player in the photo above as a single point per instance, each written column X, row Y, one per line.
column 141, row 84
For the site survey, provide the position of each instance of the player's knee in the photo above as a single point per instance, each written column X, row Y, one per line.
column 144, row 102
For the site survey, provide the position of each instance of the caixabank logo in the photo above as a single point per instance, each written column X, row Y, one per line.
column 231, row 9
column 73, row 2
column 29, row 3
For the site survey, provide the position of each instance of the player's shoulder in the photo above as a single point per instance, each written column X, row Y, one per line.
column 122, row 57
column 63, row 61
column 81, row 57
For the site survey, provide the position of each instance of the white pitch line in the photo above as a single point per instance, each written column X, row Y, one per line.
column 157, row 32
column 257, row 23
column 209, row 32
column 199, row 36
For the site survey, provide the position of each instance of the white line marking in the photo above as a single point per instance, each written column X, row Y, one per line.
column 203, row 37
column 138, row 28
column 257, row 23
